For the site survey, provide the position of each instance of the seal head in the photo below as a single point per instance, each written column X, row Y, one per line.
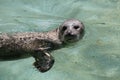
column 71, row 31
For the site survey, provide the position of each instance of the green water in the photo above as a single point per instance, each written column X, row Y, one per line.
column 95, row 57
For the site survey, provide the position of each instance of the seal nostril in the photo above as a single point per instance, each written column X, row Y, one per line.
column 68, row 34
column 76, row 27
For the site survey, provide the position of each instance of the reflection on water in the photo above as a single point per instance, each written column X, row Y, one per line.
column 95, row 57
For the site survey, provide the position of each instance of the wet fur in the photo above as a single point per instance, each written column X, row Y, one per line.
column 38, row 44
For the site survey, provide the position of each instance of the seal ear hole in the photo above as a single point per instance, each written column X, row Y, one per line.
column 76, row 27
column 82, row 31
column 64, row 28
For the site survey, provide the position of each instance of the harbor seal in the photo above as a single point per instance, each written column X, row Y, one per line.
column 40, row 44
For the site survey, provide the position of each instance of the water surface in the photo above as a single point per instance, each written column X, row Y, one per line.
column 95, row 57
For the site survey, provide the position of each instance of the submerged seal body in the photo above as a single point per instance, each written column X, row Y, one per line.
column 40, row 44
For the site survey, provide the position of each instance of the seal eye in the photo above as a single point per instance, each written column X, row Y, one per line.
column 76, row 27
column 64, row 28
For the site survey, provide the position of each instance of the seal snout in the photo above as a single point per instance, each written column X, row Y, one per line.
column 70, row 36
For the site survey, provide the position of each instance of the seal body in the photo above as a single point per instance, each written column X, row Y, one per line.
column 21, row 44
column 40, row 44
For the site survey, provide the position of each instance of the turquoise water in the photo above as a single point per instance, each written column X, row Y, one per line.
column 95, row 57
